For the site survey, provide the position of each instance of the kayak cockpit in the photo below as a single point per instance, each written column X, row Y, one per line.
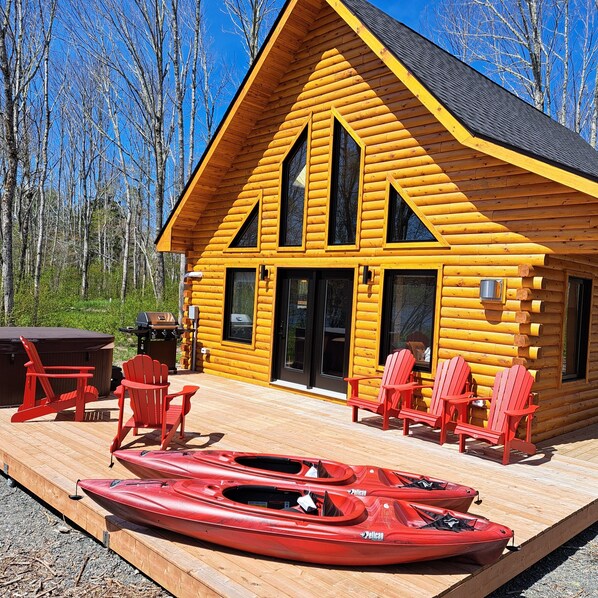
column 283, row 466
column 309, row 504
column 272, row 501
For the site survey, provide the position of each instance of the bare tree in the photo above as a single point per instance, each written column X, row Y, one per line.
column 545, row 51
column 25, row 33
column 47, row 114
column 251, row 20
column 88, row 168
column 133, row 38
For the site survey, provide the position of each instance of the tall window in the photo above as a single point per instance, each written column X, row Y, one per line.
column 403, row 223
column 239, row 301
column 576, row 328
column 408, row 314
column 344, row 198
column 293, row 194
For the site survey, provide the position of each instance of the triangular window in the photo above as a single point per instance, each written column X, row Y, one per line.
column 247, row 235
column 404, row 225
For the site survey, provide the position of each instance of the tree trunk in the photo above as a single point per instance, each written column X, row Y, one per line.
column 10, row 180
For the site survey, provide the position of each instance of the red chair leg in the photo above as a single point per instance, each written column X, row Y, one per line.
column 506, row 455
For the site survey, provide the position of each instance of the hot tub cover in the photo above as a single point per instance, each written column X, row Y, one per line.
column 47, row 339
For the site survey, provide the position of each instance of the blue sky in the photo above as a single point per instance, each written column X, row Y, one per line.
column 229, row 49
column 406, row 11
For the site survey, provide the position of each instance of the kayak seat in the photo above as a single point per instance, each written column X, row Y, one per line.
column 146, row 385
column 52, row 401
column 329, row 509
column 322, row 473
column 396, row 383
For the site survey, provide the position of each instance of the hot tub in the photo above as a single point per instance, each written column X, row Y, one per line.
column 56, row 346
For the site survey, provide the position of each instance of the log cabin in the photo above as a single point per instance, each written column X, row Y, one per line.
column 367, row 191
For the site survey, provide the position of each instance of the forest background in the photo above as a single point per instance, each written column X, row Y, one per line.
column 107, row 105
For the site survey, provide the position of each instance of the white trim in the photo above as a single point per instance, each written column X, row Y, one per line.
column 314, row 391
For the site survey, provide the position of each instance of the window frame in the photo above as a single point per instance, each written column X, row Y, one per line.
column 386, row 304
column 582, row 328
column 438, row 240
column 229, row 297
column 256, row 204
column 338, row 120
column 304, row 133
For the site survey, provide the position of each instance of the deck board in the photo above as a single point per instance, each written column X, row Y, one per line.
column 546, row 499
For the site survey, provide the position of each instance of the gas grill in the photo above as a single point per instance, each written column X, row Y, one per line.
column 157, row 335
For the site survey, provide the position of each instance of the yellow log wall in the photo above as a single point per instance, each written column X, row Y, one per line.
column 497, row 220
column 564, row 405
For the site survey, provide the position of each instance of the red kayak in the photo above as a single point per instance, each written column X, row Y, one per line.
column 283, row 521
column 256, row 468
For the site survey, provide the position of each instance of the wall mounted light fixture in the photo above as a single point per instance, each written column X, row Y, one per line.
column 491, row 289
column 367, row 275
column 197, row 274
column 264, row 274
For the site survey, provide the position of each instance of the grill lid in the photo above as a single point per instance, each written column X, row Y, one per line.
column 156, row 320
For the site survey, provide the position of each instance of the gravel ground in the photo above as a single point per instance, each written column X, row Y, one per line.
column 42, row 555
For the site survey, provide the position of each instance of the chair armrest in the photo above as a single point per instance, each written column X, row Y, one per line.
column 521, row 412
column 187, row 391
column 143, row 386
column 354, row 383
column 79, row 368
column 406, row 386
column 60, row 376
column 466, row 397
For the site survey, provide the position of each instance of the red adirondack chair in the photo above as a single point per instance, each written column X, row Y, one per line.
column 451, row 381
column 53, row 402
column 398, row 370
column 146, row 383
column 511, row 402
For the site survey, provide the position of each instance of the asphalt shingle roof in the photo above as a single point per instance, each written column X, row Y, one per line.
column 483, row 107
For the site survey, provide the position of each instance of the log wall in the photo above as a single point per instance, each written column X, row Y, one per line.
column 496, row 220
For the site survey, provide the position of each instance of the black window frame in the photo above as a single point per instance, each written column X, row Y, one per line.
column 241, row 332
column 395, row 201
column 251, row 220
column 283, row 233
column 334, row 240
column 580, row 328
column 387, row 307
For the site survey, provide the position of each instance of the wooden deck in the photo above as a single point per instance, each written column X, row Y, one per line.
column 546, row 499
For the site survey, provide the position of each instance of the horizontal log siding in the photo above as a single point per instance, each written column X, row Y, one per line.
column 564, row 406
column 494, row 216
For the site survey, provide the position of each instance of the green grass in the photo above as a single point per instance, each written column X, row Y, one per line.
column 61, row 306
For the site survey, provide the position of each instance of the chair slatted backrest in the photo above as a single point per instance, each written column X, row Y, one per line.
column 146, row 403
column 451, row 378
column 397, row 369
column 512, row 387
column 38, row 368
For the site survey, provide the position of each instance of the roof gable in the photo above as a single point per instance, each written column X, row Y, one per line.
column 476, row 111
